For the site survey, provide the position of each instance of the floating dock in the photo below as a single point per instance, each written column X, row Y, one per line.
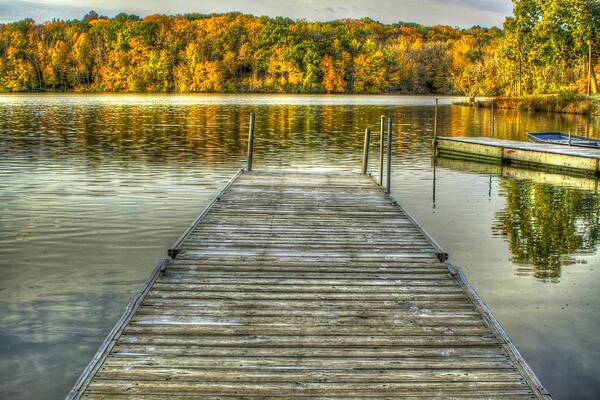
column 298, row 285
column 571, row 159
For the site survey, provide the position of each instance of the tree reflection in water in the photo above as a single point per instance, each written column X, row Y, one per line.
column 546, row 225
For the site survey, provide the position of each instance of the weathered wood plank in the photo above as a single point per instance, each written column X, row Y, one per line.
column 371, row 255
column 441, row 347
column 346, row 260
column 265, row 264
column 315, row 313
column 272, row 286
column 308, row 341
column 430, row 363
column 312, row 304
column 302, row 374
column 174, row 327
column 390, row 322
column 201, row 279
column 257, row 295
column 183, row 274
column 480, row 395
column 306, row 388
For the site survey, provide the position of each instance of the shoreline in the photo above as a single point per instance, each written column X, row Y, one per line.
column 274, row 93
column 569, row 104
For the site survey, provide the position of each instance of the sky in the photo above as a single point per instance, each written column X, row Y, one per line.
column 461, row 13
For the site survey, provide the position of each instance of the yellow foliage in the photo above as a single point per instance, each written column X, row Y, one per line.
column 99, row 22
column 333, row 75
column 282, row 72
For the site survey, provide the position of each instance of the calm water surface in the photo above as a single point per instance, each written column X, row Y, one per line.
column 93, row 189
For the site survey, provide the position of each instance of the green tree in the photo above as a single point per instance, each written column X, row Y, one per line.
column 545, row 39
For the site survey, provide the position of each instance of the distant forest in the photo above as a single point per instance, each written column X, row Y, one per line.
column 542, row 48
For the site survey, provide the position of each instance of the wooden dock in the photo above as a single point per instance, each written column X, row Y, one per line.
column 306, row 285
column 572, row 159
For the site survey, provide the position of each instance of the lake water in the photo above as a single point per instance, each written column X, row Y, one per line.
column 94, row 188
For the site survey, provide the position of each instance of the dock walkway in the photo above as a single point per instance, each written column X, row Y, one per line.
column 572, row 159
column 306, row 285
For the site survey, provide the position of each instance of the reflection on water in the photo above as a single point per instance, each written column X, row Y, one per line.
column 514, row 125
column 548, row 217
column 546, row 225
column 93, row 189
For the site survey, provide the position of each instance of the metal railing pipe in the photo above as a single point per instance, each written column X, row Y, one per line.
column 381, row 149
column 435, row 123
column 365, row 164
column 493, row 122
column 389, row 156
column 251, row 142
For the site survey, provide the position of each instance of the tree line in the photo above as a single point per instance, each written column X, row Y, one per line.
column 542, row 49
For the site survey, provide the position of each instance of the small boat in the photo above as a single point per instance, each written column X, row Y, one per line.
column 564, row 139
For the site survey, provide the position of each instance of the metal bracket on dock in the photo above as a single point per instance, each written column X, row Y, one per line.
column 439, row 251
column 443, row 256
column 172, row 253
column 163, row 267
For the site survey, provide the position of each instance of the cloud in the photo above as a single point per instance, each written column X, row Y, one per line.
column 429, row 12
column 15, row 10
column 496, row 6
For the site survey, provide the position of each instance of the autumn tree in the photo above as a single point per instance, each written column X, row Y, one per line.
column 542, row 49
column 333, row 75
column 545, row 41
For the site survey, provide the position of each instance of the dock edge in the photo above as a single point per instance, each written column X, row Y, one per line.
column 175, row 247
column 160, row 268
column 110, row 341
column 501, row 334
column 460, row 148
column 490, row 320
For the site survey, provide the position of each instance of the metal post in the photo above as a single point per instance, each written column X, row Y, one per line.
column 434, row 181
column 389, row 156
column 569, row 138
column 435, row 118
column 366, row 151
column 381, row 148
column 251, row 142
column 493, row 119
column 435, row 128
column 589, row 84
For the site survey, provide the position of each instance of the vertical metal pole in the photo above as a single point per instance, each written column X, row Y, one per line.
column 435, row 128
column 589, row 85
column 434, row 181
column 366, row 151
column 435, row 118
column 389, row 156
column 251, row 142
column 493, row 118
column 381, row 149
column 569, row 138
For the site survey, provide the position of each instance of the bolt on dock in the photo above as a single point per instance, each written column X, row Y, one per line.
column 306, row 285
